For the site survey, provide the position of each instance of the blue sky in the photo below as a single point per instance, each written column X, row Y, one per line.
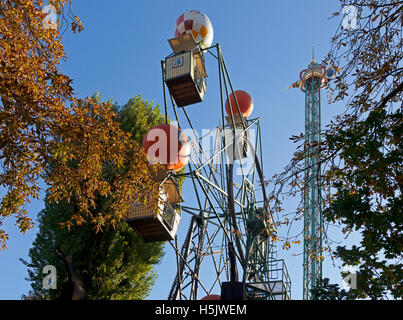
column 265, row 45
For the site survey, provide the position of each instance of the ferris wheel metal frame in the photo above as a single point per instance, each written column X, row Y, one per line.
column 231, row 210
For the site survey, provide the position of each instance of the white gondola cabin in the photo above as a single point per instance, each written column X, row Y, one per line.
column 241, row 150
column 185, row 71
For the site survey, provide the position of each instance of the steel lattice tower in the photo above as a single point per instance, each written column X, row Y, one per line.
column 311, row 81
column 312, row 202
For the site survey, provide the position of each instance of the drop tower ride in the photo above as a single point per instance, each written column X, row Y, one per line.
column 311, row 81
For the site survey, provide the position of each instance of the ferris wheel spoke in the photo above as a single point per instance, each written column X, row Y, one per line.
column 190, row 269
column 222, row 191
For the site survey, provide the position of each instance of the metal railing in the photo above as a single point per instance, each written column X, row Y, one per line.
column 280, row 280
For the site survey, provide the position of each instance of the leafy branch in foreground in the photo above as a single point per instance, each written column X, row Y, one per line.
column 42, row 123
column 360, row 154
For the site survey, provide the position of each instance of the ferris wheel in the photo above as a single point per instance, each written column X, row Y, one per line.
column 225, row 245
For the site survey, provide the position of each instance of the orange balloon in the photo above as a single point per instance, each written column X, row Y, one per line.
column 212, row 297
column 245, row 103
column 167, row 145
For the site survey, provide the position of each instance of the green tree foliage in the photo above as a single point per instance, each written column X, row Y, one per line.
column 361, row 155
column 115, row 263
column 368, row 182
column 138, row 116
column 327, row 291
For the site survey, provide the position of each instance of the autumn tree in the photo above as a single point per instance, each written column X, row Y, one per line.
column 42, row 122
column 361, row 155
column 115, row 263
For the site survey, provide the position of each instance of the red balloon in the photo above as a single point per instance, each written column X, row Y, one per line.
column 167, row 145
column 245, row 103
column 212, row 297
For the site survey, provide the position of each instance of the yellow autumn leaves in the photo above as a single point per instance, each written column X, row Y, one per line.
column 46, row 133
